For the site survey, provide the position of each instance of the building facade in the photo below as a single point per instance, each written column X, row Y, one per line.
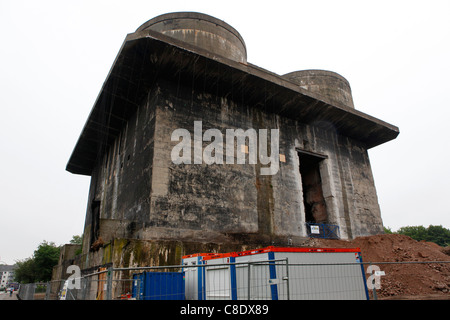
column 6, row 275
column 191, row 148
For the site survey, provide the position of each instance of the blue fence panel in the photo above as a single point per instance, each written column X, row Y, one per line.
column 159, row 286
column 322, row 230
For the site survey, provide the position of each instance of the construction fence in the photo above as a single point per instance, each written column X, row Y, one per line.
column 260, row 280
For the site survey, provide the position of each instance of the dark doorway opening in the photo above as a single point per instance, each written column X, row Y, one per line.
column 313, row 200
column 95, row 222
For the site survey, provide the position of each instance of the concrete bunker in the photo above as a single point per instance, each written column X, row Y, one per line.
column 144, row 209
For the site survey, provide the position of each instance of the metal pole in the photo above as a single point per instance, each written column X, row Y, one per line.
column 83, row 288
column 34, row 291
column 287, row 279
column 248, row 282
column 374, row 290
column 109, row 284
column 138, row 287
column 47, row 291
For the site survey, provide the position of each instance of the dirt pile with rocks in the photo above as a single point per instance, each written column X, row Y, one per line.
column 410, row 280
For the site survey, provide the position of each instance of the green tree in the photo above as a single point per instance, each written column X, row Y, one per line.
column 436, row 234
column 387, row 230
column 418, row 233
column 25, row 271
column 76, row 239
column 46, row 256
column 40, row 266
column 439, row 235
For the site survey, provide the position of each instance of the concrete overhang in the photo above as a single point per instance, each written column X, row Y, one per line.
column 146, row 56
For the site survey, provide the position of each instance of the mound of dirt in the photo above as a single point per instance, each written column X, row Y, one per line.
column 410, row 280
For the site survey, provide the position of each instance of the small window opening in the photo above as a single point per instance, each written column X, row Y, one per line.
column 95, row 221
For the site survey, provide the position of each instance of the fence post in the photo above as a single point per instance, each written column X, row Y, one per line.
column 248, row 281
column 374, row 289
column 33, row 291
column 83, row 288
column 47, row 291
column 138, row 287
column 109, row 284
column 287, row 278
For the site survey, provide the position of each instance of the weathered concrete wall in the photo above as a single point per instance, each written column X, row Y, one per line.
column 145, row 196
column 121, row 182
column 235, row 200
column 67, row 256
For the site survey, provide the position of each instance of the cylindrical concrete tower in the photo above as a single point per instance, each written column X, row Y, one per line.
column 326, row 83
column 202, row 31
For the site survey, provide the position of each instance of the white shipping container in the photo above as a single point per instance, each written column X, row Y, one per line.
column 194, row 276
column 279, row 274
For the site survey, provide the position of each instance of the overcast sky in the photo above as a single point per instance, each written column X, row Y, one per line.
column 55, row 55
